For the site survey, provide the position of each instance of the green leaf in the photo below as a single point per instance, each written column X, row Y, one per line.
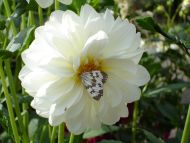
column 4, row 119
column 169, row 111
column 24, row 99
column 28, row 37
column 20, row 40
column 17, row 13
column 23, row 7
column 147, row 23
column 152, row 138
column 32, row 5
column 168, row 88
column 103, row 130
column 5, row 54
column 32, row 128
column 110, row 141
column 2, row 22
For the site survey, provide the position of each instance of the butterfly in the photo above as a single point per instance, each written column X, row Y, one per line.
column 93, row 82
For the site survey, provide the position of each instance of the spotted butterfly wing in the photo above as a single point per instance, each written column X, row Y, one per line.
column 93, row 82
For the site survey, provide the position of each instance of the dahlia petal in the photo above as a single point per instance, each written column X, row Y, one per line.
column 142, row 76
column 59, row 66
column 124, row 40
column 86, row 119
column 92, row 21
column 56, row 16
column 76, row 109
column 42, row 105
column 44, row 114
column 126, row 69
column 76, row 127
column 44, row 3
column 109, row 21
column 95, row 44
column 67, row 2
column 56, row 120
column 130, row 92
column 56, row 89
column 67, row 100
column 91, row 119
column 34, row 57
column 105, row 112
column 33, row 80
column 24, row 71
column 116, row 112
column 122, row 36
column 112, row 93
column 87, row 11
column 69, row 43
column 70, row 20
column 94, row 122
column 123, row 110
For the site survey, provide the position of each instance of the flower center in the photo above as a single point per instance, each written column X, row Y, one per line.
column 91, row 65
column 93, row 78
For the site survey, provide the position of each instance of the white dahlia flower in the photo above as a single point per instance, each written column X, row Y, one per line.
column 83, row 69
column 47, row 3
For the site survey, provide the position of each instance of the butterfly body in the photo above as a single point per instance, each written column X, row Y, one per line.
column 93, row 82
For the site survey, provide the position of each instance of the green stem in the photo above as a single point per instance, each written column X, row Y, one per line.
column 72, row 137
column 186, row 131
column 43, row 133
column 16, row 73
column 31, row 20
column 134, row 125
column 48, row 11
column 25, row 116
column 61, row 133
column 23, row 22
column 49, row 131
column 53, row 135
column 40, row 14
column 176, row 12
column 8, row 11
column 25, row 111
column 9, row 104
column 13, row 5
column 56, row 5
column 5, row 43
column 13, row 92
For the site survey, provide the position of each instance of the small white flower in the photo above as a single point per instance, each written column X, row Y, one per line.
column 83, row 70
column 47, row 3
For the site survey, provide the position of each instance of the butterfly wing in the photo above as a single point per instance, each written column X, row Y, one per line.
column 93, row 82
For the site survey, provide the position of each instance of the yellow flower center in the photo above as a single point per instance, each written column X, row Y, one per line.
column 91, row 65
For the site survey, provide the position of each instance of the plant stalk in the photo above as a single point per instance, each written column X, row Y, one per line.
column 134, row 125
column 40, row 15
column 61, row 133
column 186, row 131
column 8, row 11
column 31, row 20
column 72, row 137
column 13, row 92
column 9, row 104
column 53, row 135
column 56, row 5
